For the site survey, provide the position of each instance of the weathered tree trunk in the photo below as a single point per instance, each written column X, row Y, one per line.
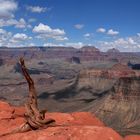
column 34, row 118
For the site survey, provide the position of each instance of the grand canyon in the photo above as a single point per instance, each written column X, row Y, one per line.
column 69, row 69
column 90, row 93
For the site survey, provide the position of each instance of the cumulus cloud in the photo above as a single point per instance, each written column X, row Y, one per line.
column 7, row 8
column 101, row 30
column 19, row 37
column 112, row 32
column 46, row 32
column 36, row 9
column 16, row 40
column 123, row 44
column 13, row 22
column 79, row 26
column 21, row 23
column 9, row 22
column 42, row 28
column 4, row 37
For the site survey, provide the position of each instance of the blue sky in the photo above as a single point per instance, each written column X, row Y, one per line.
column 103, row 23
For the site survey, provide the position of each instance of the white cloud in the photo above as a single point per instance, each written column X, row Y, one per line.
column 79, row 26
column 9, row 22
column 123, row 44
column 87, row 35
column 51, row 36
column 13, row 22
column 16, row 40
column 19, row 40
column 36, row 9
column 53, row 45
column 31, row 45
column 21, row 23
column 19, row 37
column 42, row 28
column 101, row 30
column 60, row 38
column 109, row 32
column 4, row 37
column 112, row 32
column 7, row 8
column 46, row 32
column 2, row 31
column 131, row 41
column 75, row 45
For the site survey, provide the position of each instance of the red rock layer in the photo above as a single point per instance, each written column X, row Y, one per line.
column 132, row 137
column 74, row 126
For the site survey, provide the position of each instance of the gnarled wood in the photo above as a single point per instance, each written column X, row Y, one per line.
column 34, row 118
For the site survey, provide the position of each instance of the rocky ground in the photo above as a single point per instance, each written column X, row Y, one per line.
column 73, row 126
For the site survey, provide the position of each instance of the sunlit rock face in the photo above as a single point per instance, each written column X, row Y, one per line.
column 114, row 97
column 78, row 125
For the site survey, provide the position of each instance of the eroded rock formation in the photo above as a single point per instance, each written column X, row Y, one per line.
column 86, row 53
column 116, row 97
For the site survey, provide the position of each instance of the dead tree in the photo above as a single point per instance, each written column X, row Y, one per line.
column 34, row 118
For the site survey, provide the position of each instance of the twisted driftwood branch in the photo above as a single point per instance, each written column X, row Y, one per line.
column 34, row 118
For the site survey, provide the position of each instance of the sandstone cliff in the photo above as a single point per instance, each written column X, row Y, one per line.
column 116, row 97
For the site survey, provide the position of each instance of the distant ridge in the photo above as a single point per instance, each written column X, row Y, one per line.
column 113, row 50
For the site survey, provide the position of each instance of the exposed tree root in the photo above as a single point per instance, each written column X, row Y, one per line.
column 34, row 118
